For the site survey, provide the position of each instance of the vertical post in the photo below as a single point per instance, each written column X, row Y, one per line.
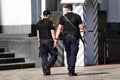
column 91, row 36
column 95, row 18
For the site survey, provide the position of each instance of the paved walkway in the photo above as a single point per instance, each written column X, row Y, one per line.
column 101, row 72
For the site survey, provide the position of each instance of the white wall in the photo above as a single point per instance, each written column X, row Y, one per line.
column 15, row 12
column 0, row 11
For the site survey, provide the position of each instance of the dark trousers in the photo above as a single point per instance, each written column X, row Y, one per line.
column 46, row 48
column 71, row 47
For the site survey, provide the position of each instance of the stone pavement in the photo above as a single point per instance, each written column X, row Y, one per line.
column 100, row 72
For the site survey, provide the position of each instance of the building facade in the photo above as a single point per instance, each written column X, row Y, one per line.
column 19, row 17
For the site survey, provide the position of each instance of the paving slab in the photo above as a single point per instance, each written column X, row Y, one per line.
column 100, row 72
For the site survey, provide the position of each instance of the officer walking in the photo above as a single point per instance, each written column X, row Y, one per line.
column 46, row 35
column 71, row 24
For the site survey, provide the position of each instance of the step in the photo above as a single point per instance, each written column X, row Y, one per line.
column 2, row 50
column 7, row 55
column 16, row 66
column 11, row 60
column 8, row 36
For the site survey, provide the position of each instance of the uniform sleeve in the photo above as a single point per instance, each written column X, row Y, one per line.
column 37, row 26
column 52, row 25
column 79, row 19
column 61, row 20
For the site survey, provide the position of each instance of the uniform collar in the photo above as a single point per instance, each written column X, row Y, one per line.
column 45, row 19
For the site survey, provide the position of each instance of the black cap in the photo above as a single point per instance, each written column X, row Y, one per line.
column 46, row 12
column 68, row 6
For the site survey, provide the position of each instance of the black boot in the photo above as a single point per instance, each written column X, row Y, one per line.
column 72, row 74
column 46, row 71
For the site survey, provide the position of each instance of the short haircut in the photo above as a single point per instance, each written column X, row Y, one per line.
column 69, row 6
column 46, row 12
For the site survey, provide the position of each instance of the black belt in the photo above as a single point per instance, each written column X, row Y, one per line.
column 70, row 35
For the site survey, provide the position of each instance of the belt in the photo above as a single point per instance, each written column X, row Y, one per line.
column 70, row 35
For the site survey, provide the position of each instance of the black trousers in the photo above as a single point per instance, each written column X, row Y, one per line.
column 71, row 43
column 46, row 48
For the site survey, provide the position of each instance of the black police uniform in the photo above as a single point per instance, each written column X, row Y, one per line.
column 46, row 43
column 71, row 37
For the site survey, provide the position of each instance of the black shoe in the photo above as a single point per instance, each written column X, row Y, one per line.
column 72, row 74
column 46, row 71
column 46, row 74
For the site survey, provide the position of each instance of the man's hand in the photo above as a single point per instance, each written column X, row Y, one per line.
column 55, row 43
column 82, row 26
column 38, row 44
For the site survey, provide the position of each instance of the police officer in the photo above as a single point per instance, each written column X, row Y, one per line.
column 46, row 35
column 71, row 24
